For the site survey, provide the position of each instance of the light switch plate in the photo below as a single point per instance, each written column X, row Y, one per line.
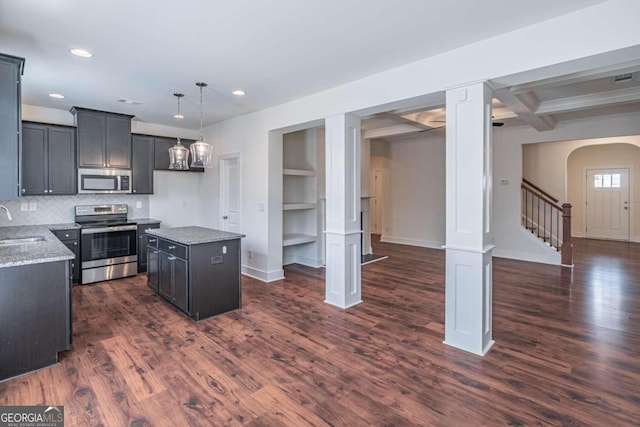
column 24, row 207
column 33, row 206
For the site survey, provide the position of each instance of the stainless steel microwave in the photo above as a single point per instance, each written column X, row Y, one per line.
column 92, row 181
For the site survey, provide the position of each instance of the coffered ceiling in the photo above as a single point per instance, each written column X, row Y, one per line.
column 276, row 51
column 540, row 104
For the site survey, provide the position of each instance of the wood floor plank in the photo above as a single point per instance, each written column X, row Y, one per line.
column 566, row 352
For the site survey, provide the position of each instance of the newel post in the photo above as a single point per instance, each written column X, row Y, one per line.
column 567, row 244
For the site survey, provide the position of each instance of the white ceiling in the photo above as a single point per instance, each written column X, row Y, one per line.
column 276, row 50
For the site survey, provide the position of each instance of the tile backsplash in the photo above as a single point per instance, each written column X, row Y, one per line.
column 60, row 209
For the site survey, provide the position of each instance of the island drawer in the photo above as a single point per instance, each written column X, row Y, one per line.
column 153, row 241
column 173, row 248
column 71, row 234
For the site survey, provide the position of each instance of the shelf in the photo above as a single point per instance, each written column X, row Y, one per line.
column 299, row 172
column 298, row 206
column 297, row 239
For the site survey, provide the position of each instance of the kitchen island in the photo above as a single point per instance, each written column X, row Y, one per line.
column 196, row 269
column 35, row 299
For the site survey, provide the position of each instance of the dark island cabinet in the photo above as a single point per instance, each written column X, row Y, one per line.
column 48, row 159
column 71, row 239
column 143, row 244
column 104, row 139
column 153, row 263
column 161, row 147
column 10, row 117
column 142, row 159
column 174, row 280
column 203, row 280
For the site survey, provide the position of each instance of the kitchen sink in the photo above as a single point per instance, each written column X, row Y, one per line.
column 21, row 240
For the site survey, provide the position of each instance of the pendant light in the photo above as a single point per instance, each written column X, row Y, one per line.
column 201, row 150
column 178, row 154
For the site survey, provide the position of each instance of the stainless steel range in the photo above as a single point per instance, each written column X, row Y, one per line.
column 108, row 243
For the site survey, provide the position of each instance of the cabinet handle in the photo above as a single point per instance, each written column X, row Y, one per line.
column 108, row 165
column 172, row 247
column 134, row 190
column 151, row 240
column 171, row 258
column 24, row 190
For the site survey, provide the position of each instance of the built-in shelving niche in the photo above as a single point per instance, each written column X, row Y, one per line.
column 303, row 186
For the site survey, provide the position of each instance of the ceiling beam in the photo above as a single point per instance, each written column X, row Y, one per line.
column 524, row 106
column 592, row 100
column 390, row 131
column 406, row 120
column 610, row 71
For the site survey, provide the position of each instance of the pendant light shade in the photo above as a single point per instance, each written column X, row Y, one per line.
column 178, row 154
column 201, row 150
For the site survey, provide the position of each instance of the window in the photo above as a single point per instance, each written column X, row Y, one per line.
column 606, row 180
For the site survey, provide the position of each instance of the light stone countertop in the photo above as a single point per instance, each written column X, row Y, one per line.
column 49, row 250
column 193, row 235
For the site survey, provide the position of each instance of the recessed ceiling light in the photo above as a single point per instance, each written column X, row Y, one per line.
column 178, row 116
column 82, row 53
column 238, row 92
column 56, row 95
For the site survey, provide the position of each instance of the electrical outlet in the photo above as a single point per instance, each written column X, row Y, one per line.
column 138, row 205
column 33, row 206
column 24, row 207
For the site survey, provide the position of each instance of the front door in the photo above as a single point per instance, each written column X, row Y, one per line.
column 230, row 193
column 608, row 204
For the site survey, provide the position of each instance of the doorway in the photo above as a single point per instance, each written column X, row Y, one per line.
column 377, row 202
column 230, row 193
column 607, row 204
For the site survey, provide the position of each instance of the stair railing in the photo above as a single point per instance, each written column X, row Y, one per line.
column 549, row 220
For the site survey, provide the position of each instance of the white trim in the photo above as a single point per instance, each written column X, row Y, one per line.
column 526, row 256
column 263, row 276
column 636, row 239
column 411, row 242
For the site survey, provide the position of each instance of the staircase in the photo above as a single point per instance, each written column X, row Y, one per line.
column 547, row 219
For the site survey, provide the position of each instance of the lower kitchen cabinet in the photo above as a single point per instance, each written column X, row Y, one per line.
column 35, row 309
column 143, row 244
column 71, row 239
column 174, row 280
column 153, row 264
column 203, row 279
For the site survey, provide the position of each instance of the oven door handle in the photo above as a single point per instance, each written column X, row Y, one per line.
column 108, row 229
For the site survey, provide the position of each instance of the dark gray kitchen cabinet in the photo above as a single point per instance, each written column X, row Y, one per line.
column 104, row 139
column 203, row 279
column 162, row 145
column 173, row 272
column 11, row 68
column 142, row 161
column 153, row 264
column 71, row 239
column 143, row 244
column 48, row 159
column 35, row 316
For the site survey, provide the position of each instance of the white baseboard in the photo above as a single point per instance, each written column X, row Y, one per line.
column 579, row 234
column 303, row 260
column 636, row 239
column 411, row 242
column 263, row 276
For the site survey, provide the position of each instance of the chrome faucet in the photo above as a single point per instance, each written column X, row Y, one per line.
column 8, row 213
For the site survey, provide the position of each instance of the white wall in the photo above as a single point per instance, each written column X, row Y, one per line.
column 415, row 201
column 588, row 38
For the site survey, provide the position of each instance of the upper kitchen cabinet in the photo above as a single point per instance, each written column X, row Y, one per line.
column 104, row 139
column 48, row 159
column 142, row 157
column 10, row 117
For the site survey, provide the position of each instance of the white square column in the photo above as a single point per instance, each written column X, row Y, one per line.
column 468, row 291
column 343, row 247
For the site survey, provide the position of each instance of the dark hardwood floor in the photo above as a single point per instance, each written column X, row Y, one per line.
column 567, row 351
